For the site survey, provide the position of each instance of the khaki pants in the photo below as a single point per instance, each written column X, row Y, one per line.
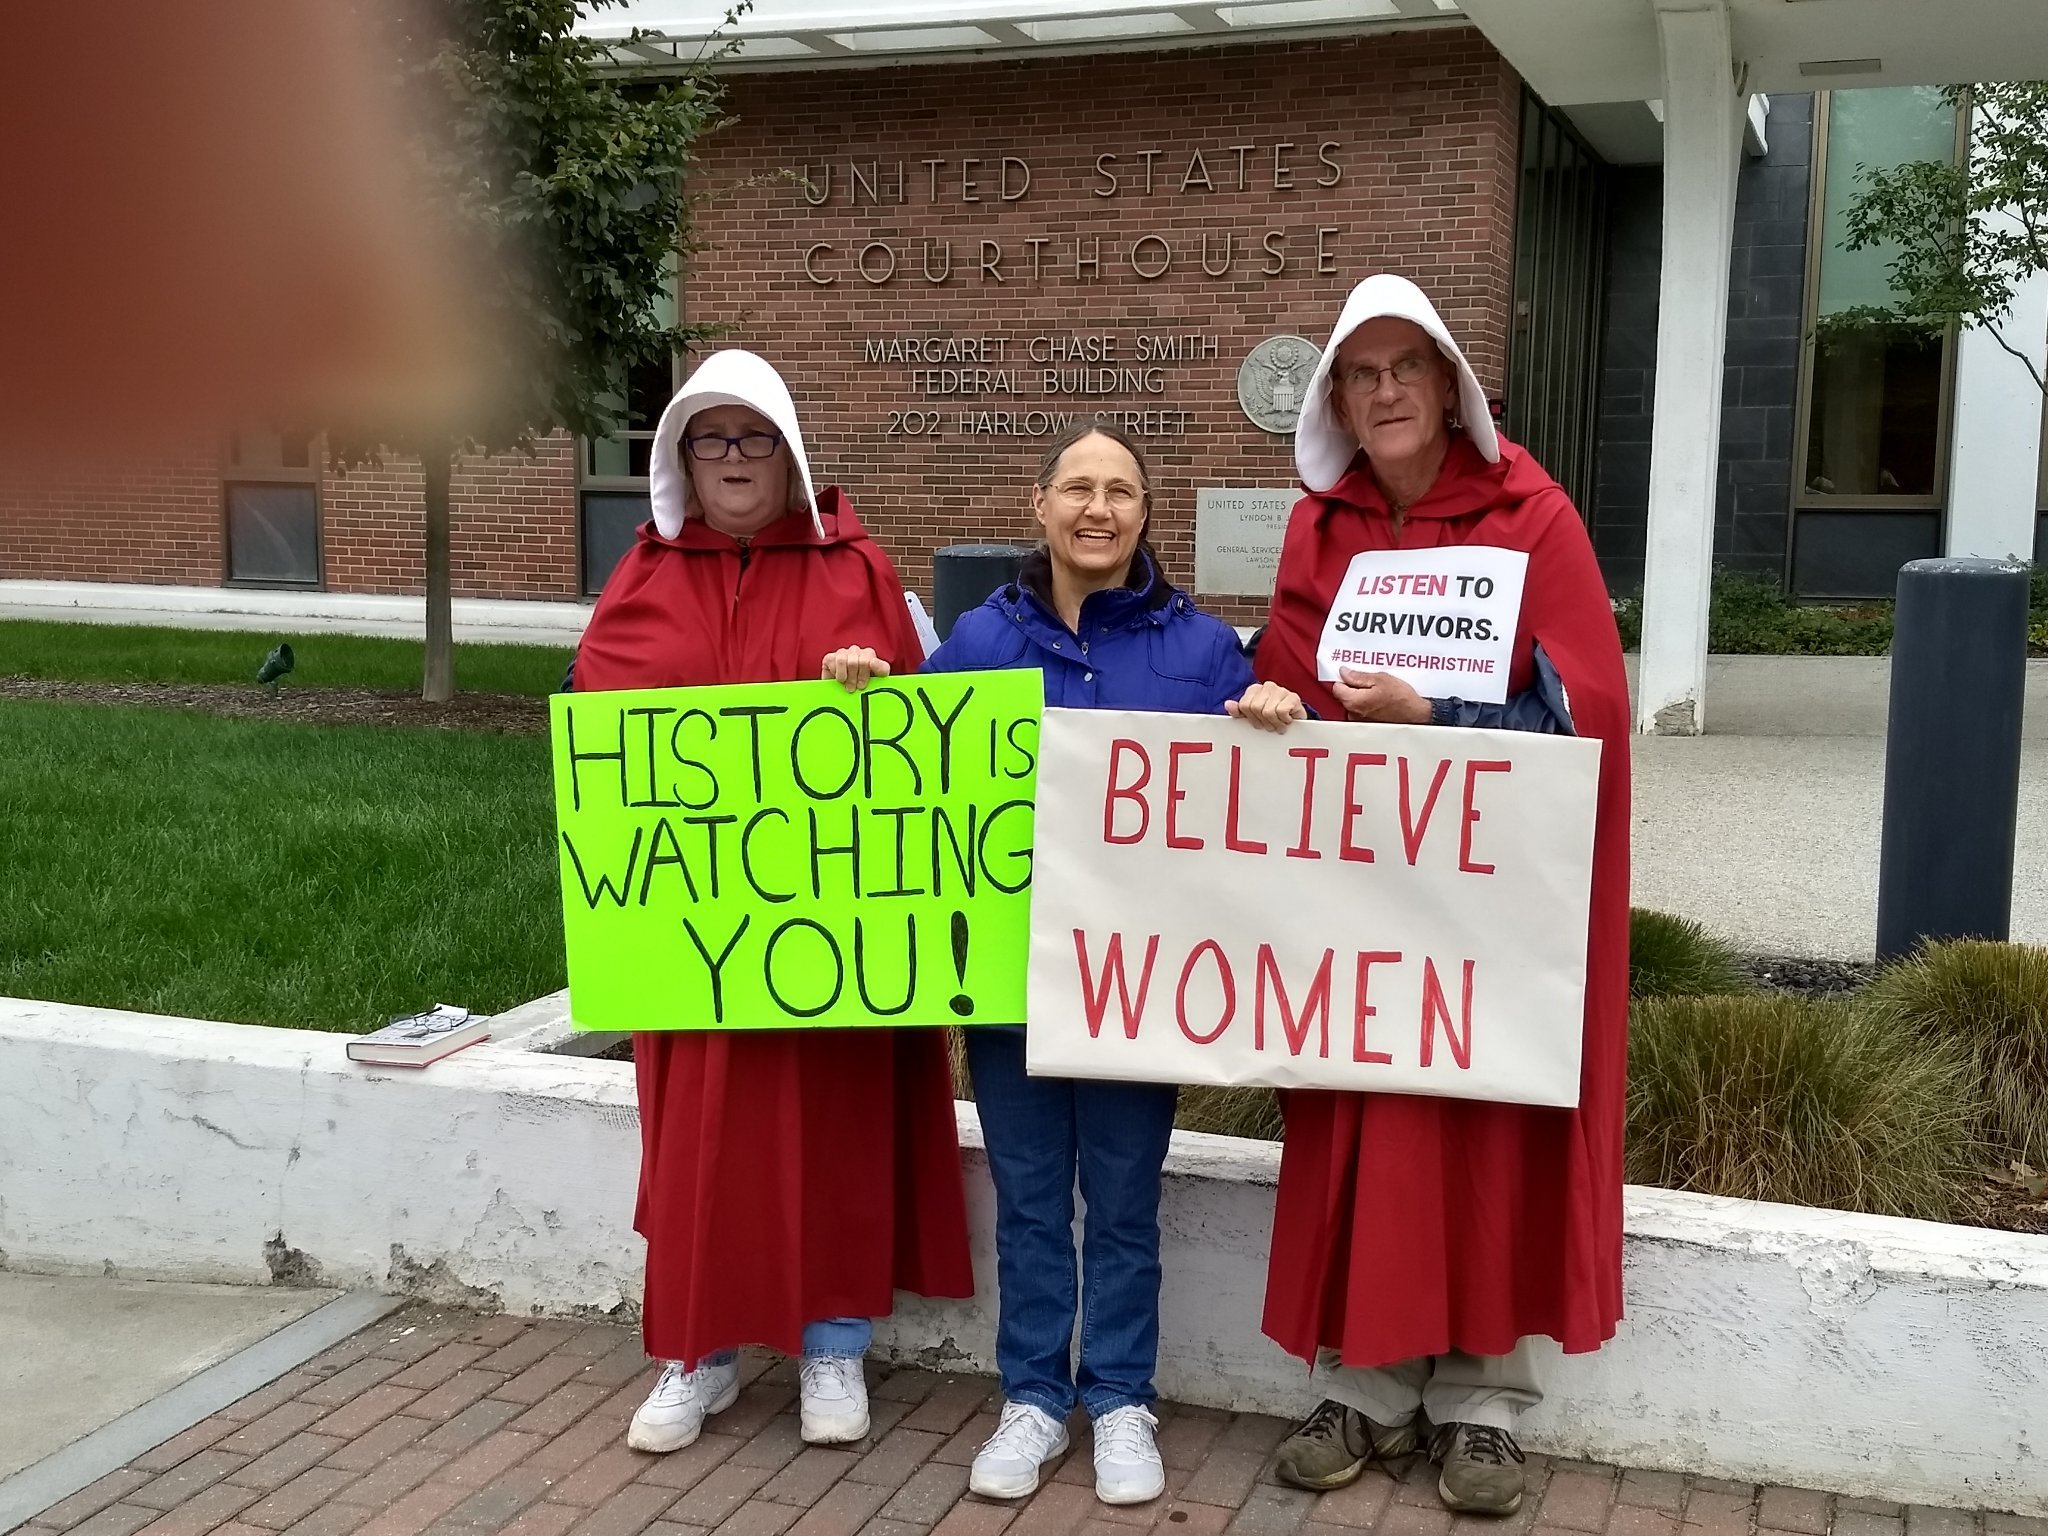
column 1452, row 1389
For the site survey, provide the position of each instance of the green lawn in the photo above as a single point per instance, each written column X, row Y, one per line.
column 120, row 653
column 313, row 876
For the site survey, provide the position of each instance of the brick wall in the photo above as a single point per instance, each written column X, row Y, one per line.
column 143, row 512
column 1425, row 126
column 1419, row 178
column 155, row 516
column 512, row 526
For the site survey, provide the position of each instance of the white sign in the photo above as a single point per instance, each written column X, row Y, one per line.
column 1387, row 908
column 1238, row 533
column 1441, row 620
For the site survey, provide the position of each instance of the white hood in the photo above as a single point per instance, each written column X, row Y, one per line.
column 732, row 377
column 1323, row 445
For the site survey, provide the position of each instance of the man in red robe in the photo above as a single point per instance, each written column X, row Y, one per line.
column 791, row 1181
column 1421, row 1245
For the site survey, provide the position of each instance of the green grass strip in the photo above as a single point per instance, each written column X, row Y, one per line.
column 123, row 653
column 318, row 877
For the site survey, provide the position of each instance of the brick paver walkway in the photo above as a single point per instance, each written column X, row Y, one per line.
column 453, row 1425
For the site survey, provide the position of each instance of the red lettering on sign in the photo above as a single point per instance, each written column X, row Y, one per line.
column 1434, row 1008
column 1175, row 751
column 1231, row 840
column 1180, row 997
column 1317, row 1002
column 1346, row 849
column 1095, row 990
column 1361, row 1010
column 1472, row 772
column 1134, row 791
column 1413, row 829
column 1309, row 756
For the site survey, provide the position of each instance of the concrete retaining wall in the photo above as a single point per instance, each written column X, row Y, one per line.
column 1893, row 1359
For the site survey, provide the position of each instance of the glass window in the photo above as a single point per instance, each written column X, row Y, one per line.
column 271, row 496
column 611, row 522
column 273, row 534
column 615, row 468
column 1877, row 397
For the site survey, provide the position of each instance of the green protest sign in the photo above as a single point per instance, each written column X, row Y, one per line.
column 781, row 855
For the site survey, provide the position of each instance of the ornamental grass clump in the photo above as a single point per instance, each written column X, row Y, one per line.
column 1820, row 1103
column 1990, row 1000
column 1253, row 1112
column 1675, row 957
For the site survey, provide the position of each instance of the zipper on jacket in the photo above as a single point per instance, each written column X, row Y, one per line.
column 738, row 581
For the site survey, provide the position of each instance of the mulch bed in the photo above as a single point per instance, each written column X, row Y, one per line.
column 1809, row 978
column 501, row 713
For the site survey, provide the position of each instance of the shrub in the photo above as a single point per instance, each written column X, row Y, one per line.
column 1628, row 620
column 1805, row 1102
column 1675, row 957
column 1990, row 1000
column 1750, row 615
column 1253, row 1112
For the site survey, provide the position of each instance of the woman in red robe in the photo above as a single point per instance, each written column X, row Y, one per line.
column 791, row 1181
column 1421, row 1244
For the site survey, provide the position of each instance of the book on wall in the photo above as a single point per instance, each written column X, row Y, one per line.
column 418, row 1038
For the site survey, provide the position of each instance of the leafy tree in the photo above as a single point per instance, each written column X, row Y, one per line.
column 567, row 184
column 1966, row 236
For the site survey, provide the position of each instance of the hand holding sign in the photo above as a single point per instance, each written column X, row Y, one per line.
column 854, row 666
column 1268, row 707
column 1380, row 698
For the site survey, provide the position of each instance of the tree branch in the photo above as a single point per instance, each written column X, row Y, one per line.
column 2026, row 362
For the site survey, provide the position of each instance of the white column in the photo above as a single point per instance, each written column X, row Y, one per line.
column 1704, row 123
column 1995, row 441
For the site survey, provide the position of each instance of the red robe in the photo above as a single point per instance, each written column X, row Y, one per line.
column 785, row 1175
column 1409, row 1226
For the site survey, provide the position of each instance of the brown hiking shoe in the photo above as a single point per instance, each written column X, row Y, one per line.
column 1482, row 1469
column 1333, row 1446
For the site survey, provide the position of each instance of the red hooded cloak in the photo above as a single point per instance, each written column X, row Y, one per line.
column 1409, row 1226
column 785, row 1175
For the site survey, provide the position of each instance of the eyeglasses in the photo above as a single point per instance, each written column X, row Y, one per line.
column 752, row 445
column 1079, row 495
column 1363, row 379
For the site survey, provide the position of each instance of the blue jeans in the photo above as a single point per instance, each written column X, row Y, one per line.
column 836, row 1337
column 1040, row 1132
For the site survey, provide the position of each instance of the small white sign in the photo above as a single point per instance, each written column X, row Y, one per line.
column 1238, row 533
column 1441, row 620
column 1386, row 908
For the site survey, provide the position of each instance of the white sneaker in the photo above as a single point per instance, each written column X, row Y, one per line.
column 1127, row 1465
column 674, row 1413
column 834, row 1399
column 1007, row 1466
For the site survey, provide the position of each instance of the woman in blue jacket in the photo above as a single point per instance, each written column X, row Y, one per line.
column 1092, row 611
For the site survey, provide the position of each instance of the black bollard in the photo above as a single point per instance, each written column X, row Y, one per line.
column 1952, row 754
column 963, row 575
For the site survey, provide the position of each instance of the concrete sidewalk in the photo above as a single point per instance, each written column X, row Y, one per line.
column 1766, row 829
column 477, row 620
column 456, row 1425
column 81, row 1351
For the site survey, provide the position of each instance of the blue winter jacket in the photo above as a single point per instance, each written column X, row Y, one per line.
column 1141, row 646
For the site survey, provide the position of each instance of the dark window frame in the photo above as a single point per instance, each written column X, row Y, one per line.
column 234, row 476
